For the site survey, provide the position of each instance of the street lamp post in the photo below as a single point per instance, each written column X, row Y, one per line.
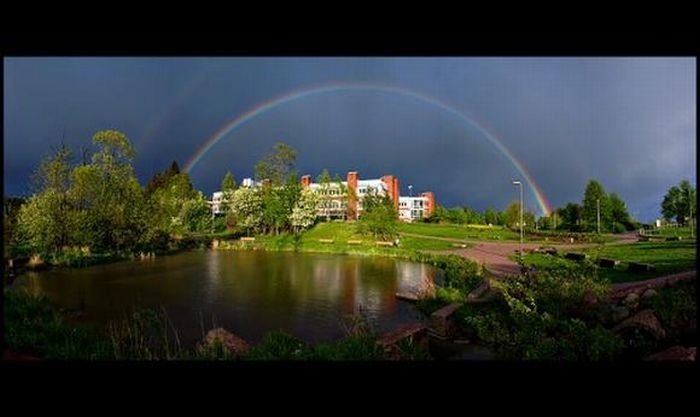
column 518, row 183
column 597, row 202
column 410, row 190
column 690, row 219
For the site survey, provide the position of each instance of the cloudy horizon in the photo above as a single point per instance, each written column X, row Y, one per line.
column 461, row 127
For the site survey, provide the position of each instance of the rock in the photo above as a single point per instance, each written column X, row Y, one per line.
column 646, row 320
column 631, row 300
column 231, row 342
column 649, row 293
column 215, row 244
column 442, row 323
column 479, row 291
column 607, row 263
column 675, row 353
column 576, row 256
column 413, row 332
column 620, row 313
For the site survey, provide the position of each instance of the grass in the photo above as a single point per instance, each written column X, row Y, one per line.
column 341, row 233
column 666, row 257
column 683, row 232
column 459, row 232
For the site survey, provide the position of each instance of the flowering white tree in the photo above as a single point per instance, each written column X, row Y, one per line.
column 303, row 214
column 247, row 205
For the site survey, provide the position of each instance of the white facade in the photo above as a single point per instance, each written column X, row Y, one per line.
column 216, row 201
column 334, row 199
column 412, row 208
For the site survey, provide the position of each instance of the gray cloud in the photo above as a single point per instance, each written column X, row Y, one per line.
column 628, row 122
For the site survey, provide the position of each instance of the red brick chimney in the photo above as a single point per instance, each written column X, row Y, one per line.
column 352, row 179
column 306, row 181
column 430, row 205
column 392, row 186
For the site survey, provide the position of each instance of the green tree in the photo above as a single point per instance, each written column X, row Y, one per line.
column 596, row 193
column 108, row 195
column 619, row 216
column 278, row 203
column 247, row 207
column 162, row 178
column 303, row 214
column 491, row 216
column 228, row 183
column 678, row 202
column 378, row 217
column 570, row 217
column 51, row 207
column 277, row 165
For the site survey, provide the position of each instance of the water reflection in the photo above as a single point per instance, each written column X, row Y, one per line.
column 249, row 293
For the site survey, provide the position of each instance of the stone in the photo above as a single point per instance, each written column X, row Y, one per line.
column 619, row 313
column 413, row 332
column 645, row 319
column 607, row 263
column 631, row 300
column 576, row 256
column 442, row 322
column 479, row 291
column 639, row 267
column 675, row 353
column 230, row 341
column 649, row 293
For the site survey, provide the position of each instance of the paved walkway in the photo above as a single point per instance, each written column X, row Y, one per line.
column 495, row 255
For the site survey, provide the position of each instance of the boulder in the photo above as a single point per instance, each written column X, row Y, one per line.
column 631, row 300
column 646, row 320
column 619, row 313
column 228, row 340
column 649, row 293
column 442, row 323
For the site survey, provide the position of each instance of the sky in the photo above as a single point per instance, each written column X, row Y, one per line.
column 464, row 128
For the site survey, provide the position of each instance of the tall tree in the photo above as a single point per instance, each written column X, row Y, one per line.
column 228, row 183
column 378, row 217
column 276, row 165
column 679, row 201
column 619, row 215
column 595, row 194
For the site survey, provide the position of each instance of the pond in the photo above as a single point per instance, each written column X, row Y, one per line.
column 247, row 292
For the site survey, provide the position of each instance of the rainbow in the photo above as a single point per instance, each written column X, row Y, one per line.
column 314, row 90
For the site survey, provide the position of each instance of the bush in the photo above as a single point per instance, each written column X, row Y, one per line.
column 32, row 325
column 279, row 345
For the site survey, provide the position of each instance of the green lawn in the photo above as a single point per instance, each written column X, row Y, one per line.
column 667, row 257
column 683, row 232
column 341, row 233
column 461, row 232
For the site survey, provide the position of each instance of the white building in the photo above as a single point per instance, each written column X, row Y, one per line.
column 413, row 208
column 344, row 199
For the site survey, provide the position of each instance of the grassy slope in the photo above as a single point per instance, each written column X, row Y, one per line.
column 454, row 231
column 667, row 257
column 341, row 233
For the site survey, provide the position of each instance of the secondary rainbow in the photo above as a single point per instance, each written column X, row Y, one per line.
column 314, row 90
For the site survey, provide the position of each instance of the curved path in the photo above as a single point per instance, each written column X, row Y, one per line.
column 495, row 255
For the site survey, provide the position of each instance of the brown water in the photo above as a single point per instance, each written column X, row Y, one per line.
column 247, row 292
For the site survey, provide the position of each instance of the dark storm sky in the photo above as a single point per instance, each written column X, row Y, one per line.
column 628, row 122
